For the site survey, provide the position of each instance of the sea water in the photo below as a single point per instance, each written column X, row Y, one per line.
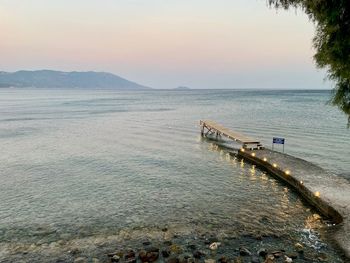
column 81, row 167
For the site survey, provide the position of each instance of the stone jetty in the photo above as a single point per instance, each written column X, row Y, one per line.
column 328, row 193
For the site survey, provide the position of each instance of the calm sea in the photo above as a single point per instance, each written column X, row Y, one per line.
column 78, row 165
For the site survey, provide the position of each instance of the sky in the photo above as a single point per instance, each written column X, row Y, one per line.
column 203, row 44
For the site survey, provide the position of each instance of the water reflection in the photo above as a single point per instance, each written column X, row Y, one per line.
column 287, row 208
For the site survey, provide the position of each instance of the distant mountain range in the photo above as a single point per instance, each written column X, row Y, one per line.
column 59, row 79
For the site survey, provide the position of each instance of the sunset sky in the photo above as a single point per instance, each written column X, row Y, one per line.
column 163, row 43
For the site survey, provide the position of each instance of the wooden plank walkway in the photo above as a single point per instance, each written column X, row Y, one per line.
column 210, row 127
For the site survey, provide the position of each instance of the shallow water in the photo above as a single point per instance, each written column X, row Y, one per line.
column 81, row 165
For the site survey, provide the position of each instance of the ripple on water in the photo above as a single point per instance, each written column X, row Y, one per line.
column 94, row 180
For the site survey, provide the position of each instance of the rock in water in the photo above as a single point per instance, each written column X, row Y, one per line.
column 191, row 246
column 214, row 245
column 223, row 259
column 244, row 251
column 166, row 252
column 269, row 259
column 299, row 247
column 152, row 249
column 173, row 260
column 175, row 249
column 129, row 254
column 146, row 243
column 115, row 258
column 152, row 256
column 277, row 254
column 322, row 257
column 292, row 255
column 149, row 255
column 167, row 243
column 255, row 259
column 262, row 252
column 198, row 254
column 143, row 255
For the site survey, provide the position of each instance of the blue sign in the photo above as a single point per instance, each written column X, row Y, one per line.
column 278, row 140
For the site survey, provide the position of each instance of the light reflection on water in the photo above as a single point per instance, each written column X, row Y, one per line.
column 86, row 164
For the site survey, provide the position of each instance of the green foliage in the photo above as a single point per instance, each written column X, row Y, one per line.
column 332, row 42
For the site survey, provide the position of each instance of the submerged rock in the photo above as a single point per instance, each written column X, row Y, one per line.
column 115, row 258
column 152, row 256
column 198, row 254
column 152, row 249
column 262, row 252
column 322, row 257
column 244, row 251
column 173, row 260
column 191, row 246
column 168, row 243
column 277, row 254
column 143, row 255
column 175, row 249
column 130, row 256
column 184, row 258
column 223, row 259
column 75, row 251
column 146, row 243
column 166, row 252
column 149, row 255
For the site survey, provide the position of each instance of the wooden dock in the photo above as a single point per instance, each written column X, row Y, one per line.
column 212, row 128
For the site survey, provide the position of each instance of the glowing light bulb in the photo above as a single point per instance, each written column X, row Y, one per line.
column 253, row 154
column 287, row 172
column 317, row 194
column 265, row 159
column 301, row 182
column 274, row 165
column 242, row 150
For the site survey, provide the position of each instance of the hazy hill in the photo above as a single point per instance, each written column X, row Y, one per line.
column 58, row 79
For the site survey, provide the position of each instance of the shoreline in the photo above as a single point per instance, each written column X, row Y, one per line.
column 329, row 194
column 173, row 244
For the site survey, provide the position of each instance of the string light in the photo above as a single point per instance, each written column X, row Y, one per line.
column 253, row 154
column 317, row 194
column 265, row 159
column 274, row 165
column 301, row 182
column 287, row 172
column 242, row 150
